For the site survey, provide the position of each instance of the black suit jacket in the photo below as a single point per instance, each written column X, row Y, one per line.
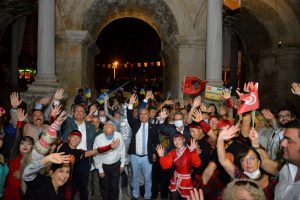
column 153, row 138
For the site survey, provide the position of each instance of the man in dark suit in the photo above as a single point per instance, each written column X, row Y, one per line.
column 81, row 171
column 142, row 148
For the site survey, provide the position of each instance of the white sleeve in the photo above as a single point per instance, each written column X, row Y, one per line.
column 97, row 158
column 123, row 152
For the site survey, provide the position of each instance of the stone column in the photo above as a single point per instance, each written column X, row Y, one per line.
column 185, row 58
column 17, row 32
column 214, row 43
column 76, row 51
column 45, row 80
column 234, row 61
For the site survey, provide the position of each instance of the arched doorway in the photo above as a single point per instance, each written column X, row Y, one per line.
column 130, row 50
column 263, row 39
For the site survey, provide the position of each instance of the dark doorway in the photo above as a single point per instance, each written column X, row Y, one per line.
column 130, row 50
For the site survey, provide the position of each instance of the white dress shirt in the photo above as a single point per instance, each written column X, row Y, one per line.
column 287, row 188
column 139, row 140
column 82, row 129
column 111, row 156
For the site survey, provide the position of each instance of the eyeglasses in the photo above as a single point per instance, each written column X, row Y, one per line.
column 284, row 116
column 252, row 158
column 245, row 182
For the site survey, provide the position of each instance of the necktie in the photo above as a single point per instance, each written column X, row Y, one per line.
column 143, row 139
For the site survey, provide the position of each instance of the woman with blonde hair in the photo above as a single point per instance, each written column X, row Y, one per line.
column 245, row 189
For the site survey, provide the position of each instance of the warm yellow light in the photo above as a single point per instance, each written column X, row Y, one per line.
column 232, row 4
column 115, row 65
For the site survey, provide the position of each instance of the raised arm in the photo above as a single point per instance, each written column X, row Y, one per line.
column 15, row 102
column 130, row 118
column 15, row 146
column 270, row 166
column 102, row 149
column 39, row 161
column 107, row 111
column 196, row 103
column 226, row 134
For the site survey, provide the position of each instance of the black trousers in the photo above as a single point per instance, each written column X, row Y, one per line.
column 160, row 181
column 80, row 179
column 109, row 184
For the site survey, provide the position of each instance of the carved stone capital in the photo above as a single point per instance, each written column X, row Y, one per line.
column 81, row 37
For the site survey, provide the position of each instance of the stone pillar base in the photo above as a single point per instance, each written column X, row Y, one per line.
column 44, row 85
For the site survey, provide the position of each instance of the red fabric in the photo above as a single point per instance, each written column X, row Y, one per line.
column 20, row 124
column 228, row 103
column 192, row 85
column 251, row 101
column 204, row 126
column 13, row 185
column 104, row 148
column 183, row 163
column 223, row 123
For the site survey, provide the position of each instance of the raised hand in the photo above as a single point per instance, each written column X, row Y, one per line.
column 196, row 102
column 15, row 101
column 197, row 115
column 196, row 194
column 45, row 100
column 268, row 115
column 57, row 158
column 61, row 118
column 226, row 93
column 203, row 107
column 247, row 87
column 236, row 103
column 198, row 149
column 160, row 150
column 21, row 115
column 115, row 143
column 228, row 132
column 59, row 94
column 239, row 93
column 56, row 110
column 193, row 145
column 133, row 99
column 93, row 109
column 253, row 136
column 296, row 88
column 163, row 113
column 169, row 102
column 149, row 95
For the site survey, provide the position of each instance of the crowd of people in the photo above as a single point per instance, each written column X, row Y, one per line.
column 166, row 149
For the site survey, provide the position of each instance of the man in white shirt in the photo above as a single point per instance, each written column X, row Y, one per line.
column 288, row 186
column 110, row 164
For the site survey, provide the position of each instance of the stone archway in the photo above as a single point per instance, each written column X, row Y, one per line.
column 179, row 25
column 261, row 25
column 155, row 13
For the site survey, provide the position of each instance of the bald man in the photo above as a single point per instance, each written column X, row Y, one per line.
column 110, row 164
